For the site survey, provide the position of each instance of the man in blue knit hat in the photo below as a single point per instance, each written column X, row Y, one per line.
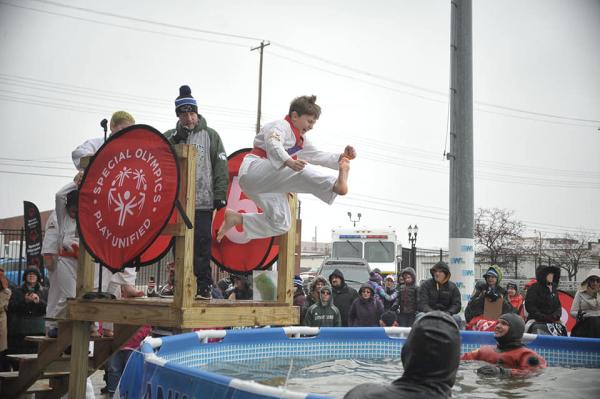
column 212, row 179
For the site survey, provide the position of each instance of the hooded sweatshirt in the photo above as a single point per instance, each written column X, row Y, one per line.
column 512, row 358
column 343, row 296
column 365, row 312
column 436, row 296
column 212, row 173
column 430, row 357
column 312, row 297
column 541, row 302
column 323, row 313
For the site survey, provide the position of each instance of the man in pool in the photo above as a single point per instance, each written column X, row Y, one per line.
column 510, row 358
column 430, row 357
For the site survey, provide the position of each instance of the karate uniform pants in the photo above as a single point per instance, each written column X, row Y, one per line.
column 269, row 187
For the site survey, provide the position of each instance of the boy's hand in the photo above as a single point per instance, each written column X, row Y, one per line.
column 295, row 164
column 349, row 152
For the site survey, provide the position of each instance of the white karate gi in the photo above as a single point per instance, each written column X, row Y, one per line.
column 267, row 181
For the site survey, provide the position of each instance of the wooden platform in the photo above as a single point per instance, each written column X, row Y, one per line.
column 201, row 314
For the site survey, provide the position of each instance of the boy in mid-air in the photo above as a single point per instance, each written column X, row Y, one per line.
column 283, row 160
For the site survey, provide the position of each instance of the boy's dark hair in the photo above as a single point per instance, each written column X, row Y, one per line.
column 389, row 318
column 305, row 105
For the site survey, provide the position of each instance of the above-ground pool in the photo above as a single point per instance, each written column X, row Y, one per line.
column 330, row 361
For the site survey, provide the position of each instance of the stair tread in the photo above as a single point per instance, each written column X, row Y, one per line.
column 7, row 375
column 43, row 338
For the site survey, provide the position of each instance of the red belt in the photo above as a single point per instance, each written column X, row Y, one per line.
column 263, row 154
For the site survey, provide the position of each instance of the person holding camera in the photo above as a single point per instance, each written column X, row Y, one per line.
column 488, row 301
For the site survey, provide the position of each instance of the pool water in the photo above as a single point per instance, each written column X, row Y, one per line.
column 336, row 377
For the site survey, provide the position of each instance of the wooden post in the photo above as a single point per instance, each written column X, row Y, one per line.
column 185, row 281
column 79, row 359
column 286, row 259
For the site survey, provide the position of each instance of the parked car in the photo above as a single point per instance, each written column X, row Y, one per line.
column 14, row 269
column 356, row 271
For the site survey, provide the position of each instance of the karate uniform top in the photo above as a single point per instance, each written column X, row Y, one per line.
column 280, row 141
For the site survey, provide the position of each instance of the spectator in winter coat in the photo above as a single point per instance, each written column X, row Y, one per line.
column 515, row 299
column 586, row 307
column 389, row 286
column 323, row 313
column 241, row 288
column 543, row 305
column 510, row 358
column 365, row 310
column 408, row 297
column 430, row 358
column 313, row 295
column 299, row 297
column 343, row 294
column 439, row 293
column 379, row 293
column 491, row 291
column 26, row 311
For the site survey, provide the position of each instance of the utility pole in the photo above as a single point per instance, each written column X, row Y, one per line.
column 261, row 47
column 461, row 243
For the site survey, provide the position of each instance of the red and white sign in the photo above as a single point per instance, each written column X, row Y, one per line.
column 236, row 253
column 127, row 195
column 566, row 301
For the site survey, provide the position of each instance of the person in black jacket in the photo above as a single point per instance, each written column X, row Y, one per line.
column 439, row 293
column 343, row 294
column 430, row 358
column 408, row 298
column 543, row 305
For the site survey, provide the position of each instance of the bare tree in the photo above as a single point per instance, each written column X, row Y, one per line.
column 498, row 235
column 570, row 252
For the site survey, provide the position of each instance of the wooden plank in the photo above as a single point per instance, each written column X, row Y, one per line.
column 43, row 339
column 85, row 274
column 79, row 359
column 9, row 375
column 237, row 316
column 185, row 281
column 286, row 260
column 138, row 313
column 175, row 230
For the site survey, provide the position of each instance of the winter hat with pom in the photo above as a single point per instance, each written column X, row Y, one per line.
column 185, row 102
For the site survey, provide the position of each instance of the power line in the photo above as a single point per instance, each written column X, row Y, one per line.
column 309, row 55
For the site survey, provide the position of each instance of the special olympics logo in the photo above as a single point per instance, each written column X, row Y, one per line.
column 134, row 175
column 127, row 195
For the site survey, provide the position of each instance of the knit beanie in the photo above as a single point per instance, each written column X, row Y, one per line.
column 298, row 281
column 185, row 102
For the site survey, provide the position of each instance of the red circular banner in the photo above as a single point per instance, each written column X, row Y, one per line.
column 236, row 253
column 127, row 195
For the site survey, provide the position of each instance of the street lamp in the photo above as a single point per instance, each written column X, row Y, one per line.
column 412, row 238
column 354, row 220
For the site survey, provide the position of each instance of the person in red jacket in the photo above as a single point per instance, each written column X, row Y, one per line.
column 510, row 358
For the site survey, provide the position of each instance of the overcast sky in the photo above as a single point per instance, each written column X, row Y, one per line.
column 380, row 70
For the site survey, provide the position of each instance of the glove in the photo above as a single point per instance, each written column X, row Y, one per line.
column 492, row 371
column 492, row 294
column 181, row 135
column 218, row 204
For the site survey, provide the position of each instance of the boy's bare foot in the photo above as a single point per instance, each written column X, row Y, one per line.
column 232, row 218
column 341, row 185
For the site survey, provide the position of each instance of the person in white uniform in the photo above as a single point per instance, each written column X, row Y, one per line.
column 284, row 160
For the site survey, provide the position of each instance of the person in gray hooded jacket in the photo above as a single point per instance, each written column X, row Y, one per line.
column 430, row 357
column 323, row 313
column 212, row 179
